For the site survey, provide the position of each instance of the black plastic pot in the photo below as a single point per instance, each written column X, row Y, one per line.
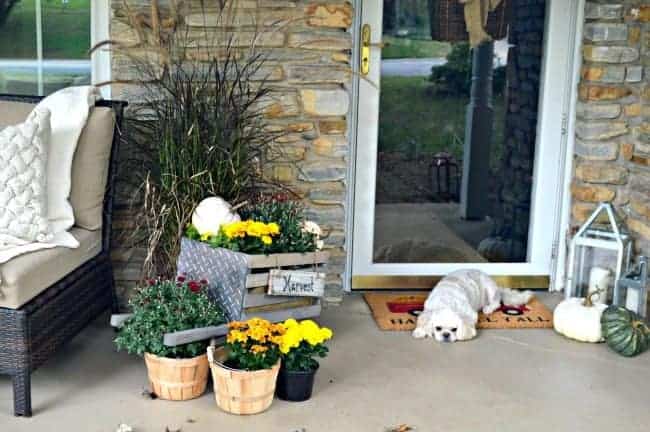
column 295, row 386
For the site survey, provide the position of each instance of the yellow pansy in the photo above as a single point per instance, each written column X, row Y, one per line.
column 273, row 228
column 207, row 235
column 234, row 229
column 256, row 229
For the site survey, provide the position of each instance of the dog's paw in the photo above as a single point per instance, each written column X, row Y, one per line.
column 419, row 333
column 491, row 308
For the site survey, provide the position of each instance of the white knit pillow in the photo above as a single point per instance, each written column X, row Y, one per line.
column 23, row 180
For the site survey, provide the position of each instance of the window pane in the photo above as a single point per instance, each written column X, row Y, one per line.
column 18, row 29
column 18, row 73
column 66, row 29
column 66, row 41
column 65, row 44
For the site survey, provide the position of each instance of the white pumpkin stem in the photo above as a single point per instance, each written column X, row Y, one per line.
column 588, row 301
column 238, row 206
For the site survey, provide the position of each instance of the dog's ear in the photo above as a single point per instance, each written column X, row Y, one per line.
column 466, row 330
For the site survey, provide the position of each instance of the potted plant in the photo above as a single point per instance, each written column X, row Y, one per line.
column 245, row 369
column 267, row 235
column 163, row 306
column 301, row 343
column 270, row 226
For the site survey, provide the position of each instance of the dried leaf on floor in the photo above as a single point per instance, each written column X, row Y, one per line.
column 173, row 429
column 400, row 428
column 146, row 393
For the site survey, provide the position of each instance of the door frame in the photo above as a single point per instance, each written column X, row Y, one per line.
column 560, row 75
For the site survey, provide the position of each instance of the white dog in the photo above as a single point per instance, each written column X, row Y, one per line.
column 451, row 310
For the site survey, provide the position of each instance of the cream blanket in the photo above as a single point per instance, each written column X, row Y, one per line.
column 476, row 16
column 69, row 112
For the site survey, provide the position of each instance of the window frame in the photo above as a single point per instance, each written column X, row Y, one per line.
column 100, row 60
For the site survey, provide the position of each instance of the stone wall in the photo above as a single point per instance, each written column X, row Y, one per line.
column 612, row 152
column 309, row 49
column 526, row 38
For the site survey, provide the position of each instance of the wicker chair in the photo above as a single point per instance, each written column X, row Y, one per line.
column 33, row 332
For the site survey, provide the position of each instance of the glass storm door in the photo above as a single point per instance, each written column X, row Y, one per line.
column 459, row 152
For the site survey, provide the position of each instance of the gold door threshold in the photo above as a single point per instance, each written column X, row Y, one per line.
column 427, row 282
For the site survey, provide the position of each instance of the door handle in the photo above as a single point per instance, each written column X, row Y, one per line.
column 366, row 44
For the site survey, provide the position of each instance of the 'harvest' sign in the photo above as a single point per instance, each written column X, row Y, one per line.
column 296, row 283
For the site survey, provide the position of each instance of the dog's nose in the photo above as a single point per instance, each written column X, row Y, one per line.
column 446, row 335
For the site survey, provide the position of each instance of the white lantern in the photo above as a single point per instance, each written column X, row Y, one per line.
column 606, row 238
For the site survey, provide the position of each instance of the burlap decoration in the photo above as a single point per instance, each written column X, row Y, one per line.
column 476, row 16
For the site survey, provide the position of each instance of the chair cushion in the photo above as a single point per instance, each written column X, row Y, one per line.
column 90, row 168
column 12, row 113
column 26, row 276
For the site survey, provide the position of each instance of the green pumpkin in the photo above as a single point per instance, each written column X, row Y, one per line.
column 624, row 331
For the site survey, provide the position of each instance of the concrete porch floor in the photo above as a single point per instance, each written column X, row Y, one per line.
column 505, row 380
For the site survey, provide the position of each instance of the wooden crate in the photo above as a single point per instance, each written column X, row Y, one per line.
column 256, row 299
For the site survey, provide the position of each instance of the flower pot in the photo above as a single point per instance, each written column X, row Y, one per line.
column 295, row 386
column 177, row 379
column 239, row 391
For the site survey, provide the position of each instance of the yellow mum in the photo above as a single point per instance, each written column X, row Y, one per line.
column 291, row 339
column 290, row 323
column 236, row 325
column 236, row 336
column 258, row 349
column 267, row 240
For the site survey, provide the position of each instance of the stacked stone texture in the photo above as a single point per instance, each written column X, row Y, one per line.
column 308, row 70
column 612, row 151
column 526, row 38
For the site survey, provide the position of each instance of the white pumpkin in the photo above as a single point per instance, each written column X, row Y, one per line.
column 211, row 213
column 579, row 319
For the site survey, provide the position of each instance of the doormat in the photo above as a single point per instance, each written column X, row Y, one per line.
column 398, row 312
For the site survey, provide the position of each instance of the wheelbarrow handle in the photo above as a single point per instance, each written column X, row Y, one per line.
column 194, row 335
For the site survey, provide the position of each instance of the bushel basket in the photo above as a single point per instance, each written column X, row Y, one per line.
column 447, row 21
column 238, row 391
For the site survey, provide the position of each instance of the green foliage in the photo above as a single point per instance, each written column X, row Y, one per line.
column 66, row 29
column 290, row 215
column 163, row 307
column 405, row 47
column 240, row 357
column 274, row 225
column 302, row 357
column 252, row 237
column 455, row 77
column 201, row 123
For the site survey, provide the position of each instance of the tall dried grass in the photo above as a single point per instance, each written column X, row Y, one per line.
column 200, row 119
